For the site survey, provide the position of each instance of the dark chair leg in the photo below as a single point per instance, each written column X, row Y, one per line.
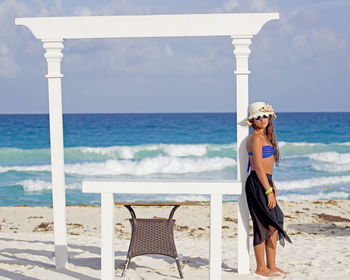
column 179, row 267
column 126, row 265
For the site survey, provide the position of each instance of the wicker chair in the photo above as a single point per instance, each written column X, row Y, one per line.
column 152, row 236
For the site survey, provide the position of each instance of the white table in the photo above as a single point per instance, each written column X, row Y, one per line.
column 109, row 188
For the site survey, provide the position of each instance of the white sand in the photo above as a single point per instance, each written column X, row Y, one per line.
column 320, row 233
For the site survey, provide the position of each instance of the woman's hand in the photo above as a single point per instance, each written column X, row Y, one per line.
column 271, row 200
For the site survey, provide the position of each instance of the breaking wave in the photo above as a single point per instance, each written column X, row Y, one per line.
column 312, row 182
column 147, row 166
column 316, row 196
column 41, row 185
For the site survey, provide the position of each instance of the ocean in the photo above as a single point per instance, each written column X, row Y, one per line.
column 314, row 148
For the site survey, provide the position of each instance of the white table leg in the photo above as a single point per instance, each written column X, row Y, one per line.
column 215, row 236
column 107, row 236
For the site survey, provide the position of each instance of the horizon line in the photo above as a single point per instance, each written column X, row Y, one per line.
column 115, row 113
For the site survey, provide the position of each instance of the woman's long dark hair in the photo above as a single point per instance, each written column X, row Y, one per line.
column 270, row 133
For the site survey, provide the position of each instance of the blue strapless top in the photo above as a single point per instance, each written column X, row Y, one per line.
column 267, row 151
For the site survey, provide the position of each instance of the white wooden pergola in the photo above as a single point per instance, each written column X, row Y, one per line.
column 52, row 31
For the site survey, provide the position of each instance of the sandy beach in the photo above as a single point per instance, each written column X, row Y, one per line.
column 320, row 231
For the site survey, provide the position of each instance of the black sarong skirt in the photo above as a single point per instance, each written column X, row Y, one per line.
column 262, row 216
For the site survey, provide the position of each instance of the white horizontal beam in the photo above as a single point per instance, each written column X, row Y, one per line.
column 221, row 187
column 242, row 24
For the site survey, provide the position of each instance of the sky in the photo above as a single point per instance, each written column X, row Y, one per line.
column 300, row 63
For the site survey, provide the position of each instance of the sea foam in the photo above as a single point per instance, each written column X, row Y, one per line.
column 172, row 150
column 331, row 162
column 32, row 168
column 157, row 165
column 331, row 167
column 311, row 182
column 146, row 166
column 316, row 196
column 41, row 185
column 331, row 157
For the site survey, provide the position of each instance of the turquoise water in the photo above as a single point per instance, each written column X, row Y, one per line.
column 315, row 152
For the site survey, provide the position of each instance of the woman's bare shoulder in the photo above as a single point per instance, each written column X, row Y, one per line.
column 254, row 140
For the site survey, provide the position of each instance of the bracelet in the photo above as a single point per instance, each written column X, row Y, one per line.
column 269, row 190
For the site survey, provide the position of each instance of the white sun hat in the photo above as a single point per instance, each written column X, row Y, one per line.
column 257, row 109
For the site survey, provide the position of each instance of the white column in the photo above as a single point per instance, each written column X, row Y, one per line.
column 215, row 257
column 242, row 52
column 54, row 56
column 107, row 236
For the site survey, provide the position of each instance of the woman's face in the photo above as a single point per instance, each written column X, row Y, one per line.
column 262, row 122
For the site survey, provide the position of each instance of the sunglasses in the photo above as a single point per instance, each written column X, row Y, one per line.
column 259, row 118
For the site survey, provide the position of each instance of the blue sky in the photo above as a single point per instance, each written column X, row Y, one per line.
column 298, row 63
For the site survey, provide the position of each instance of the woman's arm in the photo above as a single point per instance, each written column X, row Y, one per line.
column 257, row 143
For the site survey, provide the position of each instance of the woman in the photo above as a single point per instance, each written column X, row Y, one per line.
column 261, row 192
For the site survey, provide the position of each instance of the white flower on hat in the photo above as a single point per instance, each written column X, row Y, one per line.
column 266, row 108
